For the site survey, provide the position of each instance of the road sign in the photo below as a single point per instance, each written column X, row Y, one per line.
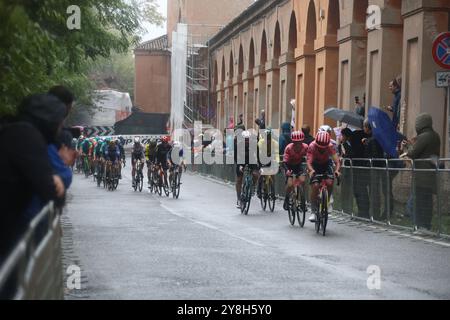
column 441, row 50
column 443, row 79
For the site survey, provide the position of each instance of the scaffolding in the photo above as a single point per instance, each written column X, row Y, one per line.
column 190, row 78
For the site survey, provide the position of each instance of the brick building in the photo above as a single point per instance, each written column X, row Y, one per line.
column 153, row 79
column 321, row 53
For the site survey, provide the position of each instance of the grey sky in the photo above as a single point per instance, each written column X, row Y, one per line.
column 154, row 31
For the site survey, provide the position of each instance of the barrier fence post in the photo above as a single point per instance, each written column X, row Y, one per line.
column 438, row 196
column 388, row 194
column 414, row 198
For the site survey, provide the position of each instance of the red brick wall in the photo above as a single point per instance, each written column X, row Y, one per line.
column 152, row 85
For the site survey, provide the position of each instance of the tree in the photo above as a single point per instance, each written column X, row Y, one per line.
column 38, row 50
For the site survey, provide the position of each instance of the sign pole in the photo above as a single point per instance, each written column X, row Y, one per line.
column 448, row 121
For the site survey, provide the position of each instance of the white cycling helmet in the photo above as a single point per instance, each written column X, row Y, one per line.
column 326, row 128
column 246, row 134
column 137, row 140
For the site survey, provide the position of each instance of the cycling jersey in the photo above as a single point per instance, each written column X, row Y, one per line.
column 138, row 152
column 320, row 156
column 162, row 151
column 268, row 152
column 293, row 157
column 150, row 152
column 112, row 153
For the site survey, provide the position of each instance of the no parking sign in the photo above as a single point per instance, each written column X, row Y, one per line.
column 441, row 50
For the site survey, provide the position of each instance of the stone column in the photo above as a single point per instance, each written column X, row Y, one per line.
column 248, row 88
column 384, row 53
column 305, row 83
column 237, row 98
column 352, row 40
column 327, row 57
column 272, row 100
column 259, row 97
column 424, row 20
column 287, row 86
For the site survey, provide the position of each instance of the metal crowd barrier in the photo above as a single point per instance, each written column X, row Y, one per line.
column 33, row 269
column 411, row 195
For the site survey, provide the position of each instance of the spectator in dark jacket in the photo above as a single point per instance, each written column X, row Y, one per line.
column 395, row 87
column 285, row 137
column 26, row 168
column 307, row 132
column 377, row 181
column 261, row 121
column 427, row 145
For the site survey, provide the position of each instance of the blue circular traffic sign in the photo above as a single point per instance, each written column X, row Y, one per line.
column 441, row 50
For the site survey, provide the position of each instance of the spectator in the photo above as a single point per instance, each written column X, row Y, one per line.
column 307, row 132
column 426, row 145
column 261, row 121
column 373, row 150
column 241, row 120
column 345, row 147
column 359, row 108
column 395, row 87
column 65, row 96
column 26, row 168
column 361, row 177
column 285, row 138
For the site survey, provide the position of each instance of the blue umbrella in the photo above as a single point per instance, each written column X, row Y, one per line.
column 384, row 131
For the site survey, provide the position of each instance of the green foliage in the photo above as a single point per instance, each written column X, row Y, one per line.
column 116, row 72
column 38, row 50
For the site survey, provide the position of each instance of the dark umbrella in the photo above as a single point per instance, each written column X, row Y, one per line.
column 383, row 131
column 347, row 117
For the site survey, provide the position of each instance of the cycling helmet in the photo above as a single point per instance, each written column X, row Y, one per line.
column 165, row 139
column 323, row 139
column 297, row 136
column 246, row 134
column 137, row 140
column 326, row 128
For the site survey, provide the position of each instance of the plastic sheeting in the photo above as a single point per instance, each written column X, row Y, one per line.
column 178, row 64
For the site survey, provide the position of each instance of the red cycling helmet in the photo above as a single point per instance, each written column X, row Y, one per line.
column 323, row 139
column 297, row 136
column 165, row 139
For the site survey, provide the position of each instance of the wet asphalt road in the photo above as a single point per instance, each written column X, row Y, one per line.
column 140, row 246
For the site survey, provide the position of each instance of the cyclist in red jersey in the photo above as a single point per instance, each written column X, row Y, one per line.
column 293, row 160
column 318, row 161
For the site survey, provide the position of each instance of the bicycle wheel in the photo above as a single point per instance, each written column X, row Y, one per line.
column 116, row 178
column 246, row 197
column 166, row 186
column 291, row 209
column 319, row 216
column 159, row 185
column 141, row 181
column 174, row 181
column 178, row 182
column 272, row 196
column 301, row 206
column 264, row 193
column 324, row 213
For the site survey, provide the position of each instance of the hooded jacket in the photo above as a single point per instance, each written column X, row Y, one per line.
column 428, row 143
column 285, row 137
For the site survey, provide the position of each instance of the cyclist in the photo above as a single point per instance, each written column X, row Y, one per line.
column 97, row 156
column 112, row 153
column 268, row 157
column 250, row 159
column 119, row 143
column 328, row 129
column 150, row 157
column 162, row 153
column 136, row 154
column 318, row 161
column 293, row 163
